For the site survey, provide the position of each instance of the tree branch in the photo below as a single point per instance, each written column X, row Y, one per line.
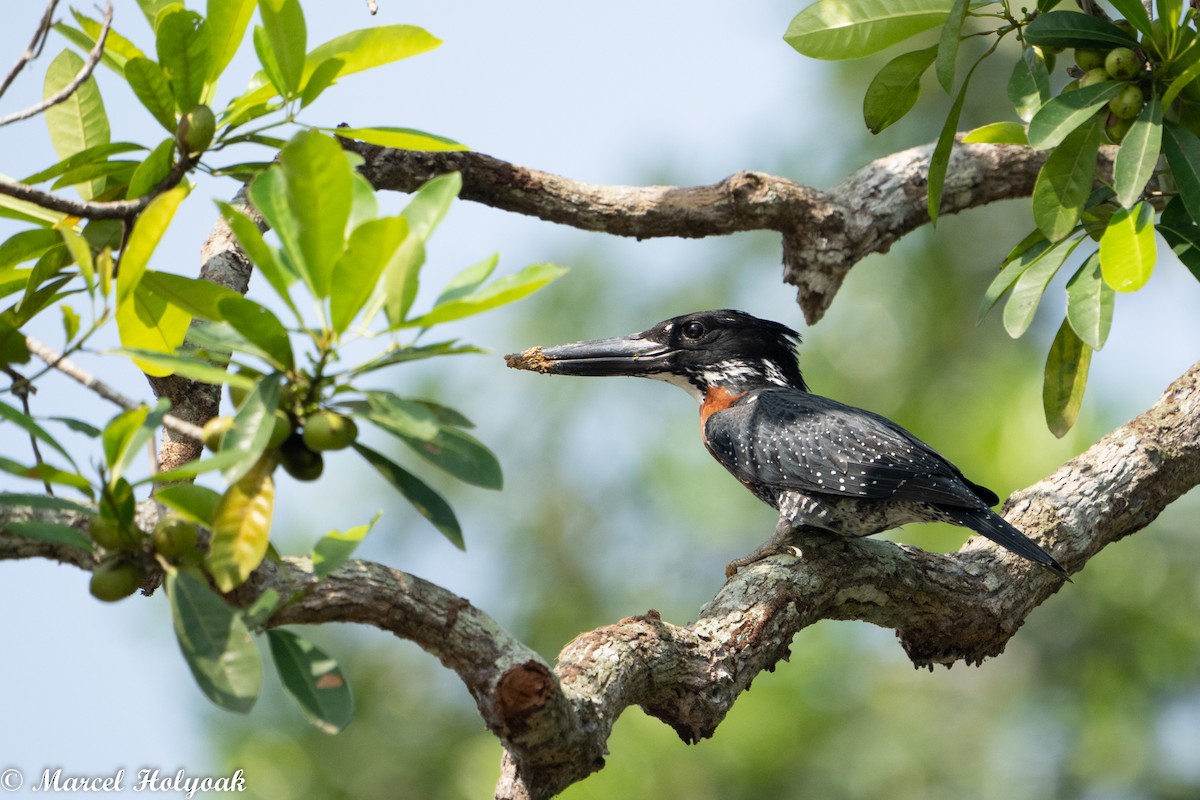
column 824, row 232
column 66, row 366
column 554, row 722
column 84, row 73
column 35, row 46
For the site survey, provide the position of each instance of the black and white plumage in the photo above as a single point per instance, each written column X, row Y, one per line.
column 821, row 464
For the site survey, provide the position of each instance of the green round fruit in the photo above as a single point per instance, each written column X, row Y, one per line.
column 1116, row 128
column 214, row 431
column 107, row 533
column 1093, row 77
column 196, row 130
column 1089, row 59
column 115, row 580
column 174, row 537
column 1123, row 64
column 328, row 430
column 1127, row 103
column 281, row 431
column 300, row 461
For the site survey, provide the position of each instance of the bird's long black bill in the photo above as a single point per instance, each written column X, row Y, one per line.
column 624, row 355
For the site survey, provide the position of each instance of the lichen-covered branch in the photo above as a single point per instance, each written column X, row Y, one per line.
column 825, row 232
column 554, row 720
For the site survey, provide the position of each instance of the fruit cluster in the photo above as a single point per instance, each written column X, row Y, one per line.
column 1118, row 64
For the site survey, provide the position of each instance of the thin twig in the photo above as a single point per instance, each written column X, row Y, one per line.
column 22, row 388
column 86, row 72
column 115, row 209
column 35, row 47
column 72, row 370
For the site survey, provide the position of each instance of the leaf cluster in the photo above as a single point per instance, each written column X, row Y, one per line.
column 1134, row 87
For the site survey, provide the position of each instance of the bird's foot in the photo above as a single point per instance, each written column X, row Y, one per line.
column 783, row 541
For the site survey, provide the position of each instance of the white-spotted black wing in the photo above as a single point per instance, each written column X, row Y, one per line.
column 788, row 439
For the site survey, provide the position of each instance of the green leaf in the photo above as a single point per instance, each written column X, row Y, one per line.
column 283, row 23
column 252, row 428
column 70, row 321
column 357, row 50
column 198, row 297
column 1068, row 112
column 193, row 468
column 1127, row 248
column 45, row 501
column 1029, row 288
column 241, row 528
column 81, row 252
column 184, row 51
column 262, row 254
column 260, row 327
column 215, row 642
column 947, row 48
column 1182, row 150
column 313, row 679
column 129, row 432
column 321, row 79
column 895, row 89
column 79, row 122
column 153, row 9
column 97, row 153
column 1029, row 84
column 371, row 247
column 838, row 29
column 26, row 423
column 194, row 503
column 146, row 321
column 220, row 337
column 424, row 212
column 117, row 49
column 1182, row 234
column 424, row 499
column 1020, row 259
column 497, row 293
column 151, row 224
column 461, row 455
column 46, row 474
column 1065, row 181
column 1138, row 154
column 468, row 281
column 400, row 138
column 1135, row 13
column 399, row 416
column 151, row 172
column 318, row 191
column 190, row 367
column 1066, row 374
column 227, row 22
column 1073, row 29
column 52, row 532
column 1090, row 302
column 997, row 133
column 404, row 354
column 26, row 245
column 940, row 159
column 336, row 547
column 151, row 87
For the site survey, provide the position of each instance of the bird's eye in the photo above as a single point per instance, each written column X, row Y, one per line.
column 693, row 330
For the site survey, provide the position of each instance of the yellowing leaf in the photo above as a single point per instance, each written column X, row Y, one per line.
column 241, row 528
column 146, row 321
column 151, row 224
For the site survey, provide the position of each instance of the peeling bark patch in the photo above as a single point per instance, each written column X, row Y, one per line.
column 532, row 359
column 523, row 690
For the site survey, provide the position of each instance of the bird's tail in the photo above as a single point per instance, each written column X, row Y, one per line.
column 990, row 524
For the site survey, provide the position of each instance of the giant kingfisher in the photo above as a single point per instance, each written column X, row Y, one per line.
column 821, row 464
